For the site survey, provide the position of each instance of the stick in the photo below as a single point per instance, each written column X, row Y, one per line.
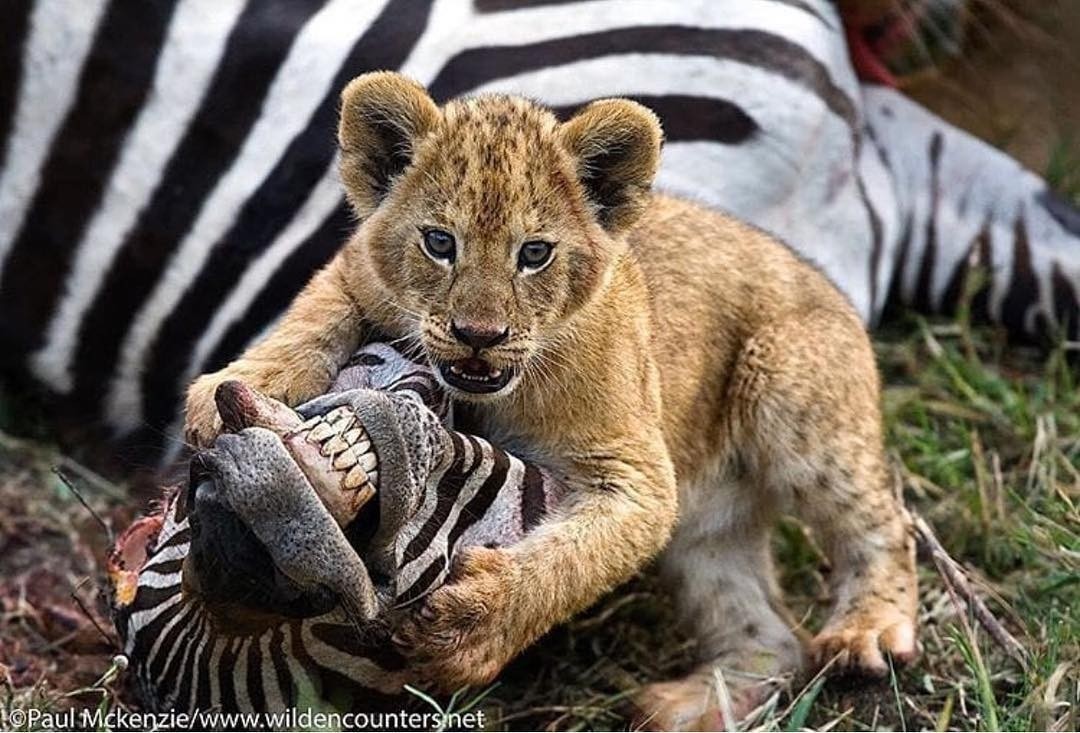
column 956, row 580
column 111, row 641
column 96, row 480
column 71, row 487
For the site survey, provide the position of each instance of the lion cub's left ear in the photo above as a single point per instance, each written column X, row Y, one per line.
column 384, row 115
column 616, row 144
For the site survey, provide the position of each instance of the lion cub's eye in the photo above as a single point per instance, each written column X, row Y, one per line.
column 534, row 255
column 439, row 245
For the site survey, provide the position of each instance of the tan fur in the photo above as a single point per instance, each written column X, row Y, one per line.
column 663, row 340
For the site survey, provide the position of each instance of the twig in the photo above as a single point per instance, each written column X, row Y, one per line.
column 111, row 641
column 956, row 581
column 71, row 487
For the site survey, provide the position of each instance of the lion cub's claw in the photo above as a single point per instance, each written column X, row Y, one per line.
column 462, row 634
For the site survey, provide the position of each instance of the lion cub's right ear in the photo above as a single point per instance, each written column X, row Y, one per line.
column 383, row 116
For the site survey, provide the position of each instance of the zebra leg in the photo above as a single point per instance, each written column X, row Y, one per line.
column 815, row 446
column 720, row 568
column 957, row 204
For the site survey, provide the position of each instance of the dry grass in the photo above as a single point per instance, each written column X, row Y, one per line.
column 56, row 644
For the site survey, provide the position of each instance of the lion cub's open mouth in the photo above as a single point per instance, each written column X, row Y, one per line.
column 475, row 375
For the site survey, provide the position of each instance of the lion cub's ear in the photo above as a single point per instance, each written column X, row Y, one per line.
column 383, row 116
column 616, row 143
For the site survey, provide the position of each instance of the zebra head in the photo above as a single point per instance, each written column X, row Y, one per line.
column 271, row 580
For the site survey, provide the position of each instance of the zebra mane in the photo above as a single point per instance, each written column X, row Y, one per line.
column 260, row 586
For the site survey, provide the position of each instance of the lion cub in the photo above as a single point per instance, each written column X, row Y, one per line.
column 656, row 353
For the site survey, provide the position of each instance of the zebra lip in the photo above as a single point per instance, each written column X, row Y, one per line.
column 475, row 375
column 129, row 555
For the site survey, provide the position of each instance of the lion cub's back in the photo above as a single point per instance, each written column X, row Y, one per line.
column 704, row 263
column 713, row 283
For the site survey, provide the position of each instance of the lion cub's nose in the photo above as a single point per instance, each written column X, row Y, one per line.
column 479, row 335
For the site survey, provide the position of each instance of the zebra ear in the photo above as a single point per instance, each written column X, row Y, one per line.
column 383, row 115
column 616, row 144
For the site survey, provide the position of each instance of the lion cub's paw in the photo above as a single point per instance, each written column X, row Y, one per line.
column 702, row 700
column 858, row 643
column 290, row 385
column 463, row 632
column 201, row 420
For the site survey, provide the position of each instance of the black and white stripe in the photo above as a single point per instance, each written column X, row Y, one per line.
column 169, row 184
column 188, row 656
column 962, row 205
column 185, row 659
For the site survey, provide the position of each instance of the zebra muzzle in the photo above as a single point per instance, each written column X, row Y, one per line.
column 333, row 450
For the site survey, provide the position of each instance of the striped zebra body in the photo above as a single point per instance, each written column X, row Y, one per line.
column 188, row 651
column 168, row 176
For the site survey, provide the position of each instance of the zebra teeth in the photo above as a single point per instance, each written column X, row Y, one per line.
column 362, row 447
column 364, row 494
column 336, row 444
column 345, row 459
column 353, row 435
column 340, row 417
column 321, row 432
column 373, row 477
column 355, row 478
column 368, row 462
column 309, row 424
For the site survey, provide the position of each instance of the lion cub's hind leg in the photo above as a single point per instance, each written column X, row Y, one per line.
column 805, row 395
column 720, row 568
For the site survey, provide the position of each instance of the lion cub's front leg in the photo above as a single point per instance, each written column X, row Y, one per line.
column 295, row 362
column 618, row 514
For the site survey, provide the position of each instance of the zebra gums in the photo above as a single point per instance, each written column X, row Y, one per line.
column 247, row 592
column 168, row 179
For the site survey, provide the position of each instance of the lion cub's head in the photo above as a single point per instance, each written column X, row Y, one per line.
column 488, row 221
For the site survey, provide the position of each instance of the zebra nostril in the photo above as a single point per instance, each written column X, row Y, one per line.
column 479, row 335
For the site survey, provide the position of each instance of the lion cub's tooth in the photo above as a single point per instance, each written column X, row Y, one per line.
column 355, row 478
column 345, row 459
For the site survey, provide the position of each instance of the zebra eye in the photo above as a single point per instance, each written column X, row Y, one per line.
column 534, row 255
column 439, row 245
